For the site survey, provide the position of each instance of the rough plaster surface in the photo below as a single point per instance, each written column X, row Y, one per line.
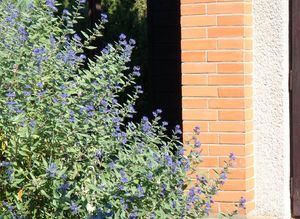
column 271, row 108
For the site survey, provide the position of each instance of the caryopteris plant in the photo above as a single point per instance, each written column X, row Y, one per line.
column 68, row 146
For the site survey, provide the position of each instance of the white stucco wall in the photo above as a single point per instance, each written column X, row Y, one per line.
column 271, row 108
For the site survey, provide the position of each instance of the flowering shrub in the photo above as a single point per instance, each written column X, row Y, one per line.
column 68, row 146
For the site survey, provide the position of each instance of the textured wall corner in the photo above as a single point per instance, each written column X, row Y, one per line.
column 271, row 108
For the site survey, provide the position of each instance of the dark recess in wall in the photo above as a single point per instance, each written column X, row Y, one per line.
column 165, row 58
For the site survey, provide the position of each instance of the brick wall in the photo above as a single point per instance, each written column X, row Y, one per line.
column 217, row 89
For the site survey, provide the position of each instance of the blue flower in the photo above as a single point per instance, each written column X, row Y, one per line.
column 232, row 156
column 141, row 192
column 72, row 118
column 124, row 178
column 207, row 207
column 202, row 179
column 112, row 165
column 134, row 214
column 104, row 18
column 82, row 57
column 52, row 170
column 197, row 143
column 74, row 208
column 52, row 41
column 197, row 130
column 136, row 71
column 23, row 34
column 146, row 127
column 242, row 202
column 163, row 190
column 122, row 37
column 11, row 103
column 123, row 204
column 132, row 42
column 164, row 123
column 26, row 93
column 39, row 54
column 64, row 95
column 51, row 5
column 40, row 84
column 138, row 89
column 177, row 130
column 168, row 160
column 149, row 176
column 13, row 14
column 77, row 37
column 157, row 112
column 98, row 154
column 64, row 187
column 10, row 94
column 65, row 13
column 32, row 123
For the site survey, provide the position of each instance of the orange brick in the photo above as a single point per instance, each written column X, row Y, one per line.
column 198, row 68
column 232, row 138
column 198, row 44
column 194, row 103
column 209, row 162
column 248, row 32
column 227, row 126
column 199, row 91
column 249, row 172
column 248, row 56
column 196, row 1
column 240, row 162
column 204, row 150
column 249, row 125
column 250, row 183
column 225, row 32
column 248, row 7
column 231, row 44
column 230, row 68
column 230, row 207
column 248, row 114
column 193, row 33
column 205, row 138
column 229, row 196
column 193, row 56
column 231, row 92
column 225, row 8
column 236, row 173
column 248, row 44
column 225, row 56
column 226, row 104
column 222, row 150
column 204, row 115
column 215, row 208
column 231, row 20
column 192, row 9
column 198, row 21
column 188, row 126
column 194, row 79
column 234, row 185
column 231, row 115
column 226, row 79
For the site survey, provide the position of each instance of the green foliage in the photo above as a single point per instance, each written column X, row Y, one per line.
column 68, row 146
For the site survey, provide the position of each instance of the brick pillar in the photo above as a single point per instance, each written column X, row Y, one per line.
column 217, row 89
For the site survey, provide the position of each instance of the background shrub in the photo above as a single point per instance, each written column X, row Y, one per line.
column 68, row 146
